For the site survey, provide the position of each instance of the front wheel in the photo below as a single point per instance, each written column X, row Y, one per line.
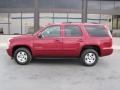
column 22, row 56
column 89, row 57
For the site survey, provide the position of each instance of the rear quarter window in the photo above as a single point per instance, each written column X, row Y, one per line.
column 96, row 30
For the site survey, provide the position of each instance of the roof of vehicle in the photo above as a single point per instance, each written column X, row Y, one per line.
column 75, row 23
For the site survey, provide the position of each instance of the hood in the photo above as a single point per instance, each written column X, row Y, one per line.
column 22, row 37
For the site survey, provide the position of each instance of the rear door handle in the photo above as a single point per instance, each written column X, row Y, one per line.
column 80, row 40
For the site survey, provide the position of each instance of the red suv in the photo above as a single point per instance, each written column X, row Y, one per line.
column 85, row 41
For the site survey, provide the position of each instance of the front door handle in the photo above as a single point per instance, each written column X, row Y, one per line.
column 57, row 40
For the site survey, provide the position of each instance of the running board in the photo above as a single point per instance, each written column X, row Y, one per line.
column 56, row 58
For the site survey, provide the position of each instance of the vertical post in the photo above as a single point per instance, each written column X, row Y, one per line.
column 36, row 16
column 53, row 18
column 117, row 21
column 112, row 25
column 21, row 22
column 9, row 23
column 67, row 17
column 84, row 11
column 100, row 13
column 100, row 19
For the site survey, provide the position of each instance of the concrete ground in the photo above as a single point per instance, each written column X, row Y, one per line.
column 59, row 74
column 116, row 42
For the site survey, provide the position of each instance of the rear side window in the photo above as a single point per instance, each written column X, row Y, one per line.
column 72, row 31
column 96, row 30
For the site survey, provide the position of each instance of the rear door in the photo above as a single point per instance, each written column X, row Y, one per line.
column 72, row 40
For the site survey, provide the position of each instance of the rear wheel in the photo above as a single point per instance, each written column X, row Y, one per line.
column 89, row 57
column 22, row 56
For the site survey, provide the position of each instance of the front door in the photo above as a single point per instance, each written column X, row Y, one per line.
column 50, row 44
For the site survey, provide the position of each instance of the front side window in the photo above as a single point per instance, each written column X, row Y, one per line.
column 51, row 31
column 96, row 30
column 72, row 31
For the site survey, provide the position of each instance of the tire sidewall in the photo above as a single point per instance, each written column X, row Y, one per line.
column 29, row 57
column 86, row 52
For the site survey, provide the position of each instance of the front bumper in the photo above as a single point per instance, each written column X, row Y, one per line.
column 9, row 52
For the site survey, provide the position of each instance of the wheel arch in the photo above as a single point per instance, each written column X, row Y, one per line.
column 95, row 47
column 21, row 46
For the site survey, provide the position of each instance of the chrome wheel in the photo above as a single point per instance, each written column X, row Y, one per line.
column 90, row 58
column 22, row 56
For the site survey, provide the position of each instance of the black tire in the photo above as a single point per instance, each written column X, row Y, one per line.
column 86, row 61
column 26, row 52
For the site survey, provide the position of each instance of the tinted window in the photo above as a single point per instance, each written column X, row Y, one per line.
column 98, row 31
column 52, row 31
column 76, row 4
column 72, row 31
column 17, row 3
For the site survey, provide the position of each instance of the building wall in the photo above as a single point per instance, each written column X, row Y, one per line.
column 16, row 23
column 23, row 23
column 18, row 16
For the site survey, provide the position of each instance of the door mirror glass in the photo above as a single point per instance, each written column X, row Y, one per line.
column 40, row 36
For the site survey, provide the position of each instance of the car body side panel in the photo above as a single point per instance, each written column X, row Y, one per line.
column 61, row 46
column 21, row 41
column 48, row 46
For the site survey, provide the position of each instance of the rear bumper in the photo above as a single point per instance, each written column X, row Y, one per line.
column 9, row 52
column 106, row 51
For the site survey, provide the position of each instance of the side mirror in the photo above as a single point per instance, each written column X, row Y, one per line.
column 40, row 35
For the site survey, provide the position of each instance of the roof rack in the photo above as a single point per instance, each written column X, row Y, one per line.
column 70, row 22
column 79, row 23
column 94, row 23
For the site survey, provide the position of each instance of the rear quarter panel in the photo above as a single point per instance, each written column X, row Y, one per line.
column 103, row 42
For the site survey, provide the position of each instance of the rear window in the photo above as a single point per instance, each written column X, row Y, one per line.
column 97, row 31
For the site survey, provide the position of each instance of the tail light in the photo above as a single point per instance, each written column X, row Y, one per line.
column 107, row 41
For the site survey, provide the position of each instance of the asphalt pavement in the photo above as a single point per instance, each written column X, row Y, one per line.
column 60, row 74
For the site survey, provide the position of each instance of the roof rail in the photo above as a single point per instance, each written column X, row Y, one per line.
column 94, row 23
column 66, row 22
column 70, row 22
